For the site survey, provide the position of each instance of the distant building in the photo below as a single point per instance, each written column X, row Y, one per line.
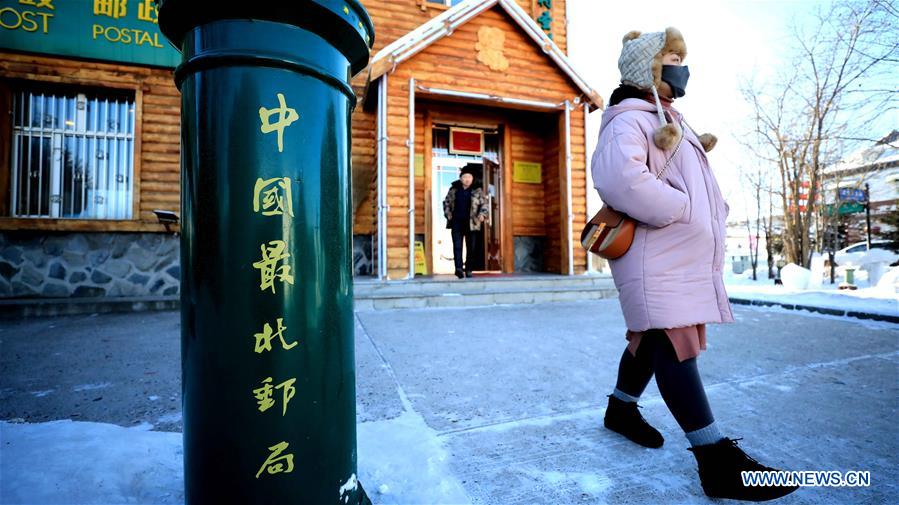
column 878, row 167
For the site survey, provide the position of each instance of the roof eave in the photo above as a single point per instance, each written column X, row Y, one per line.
column 443, row 25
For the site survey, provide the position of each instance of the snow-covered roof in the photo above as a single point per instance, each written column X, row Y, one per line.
column 883, row 184
column 443, row 25
column 884, row 151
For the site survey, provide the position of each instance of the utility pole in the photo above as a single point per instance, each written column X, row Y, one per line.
column 868, row 213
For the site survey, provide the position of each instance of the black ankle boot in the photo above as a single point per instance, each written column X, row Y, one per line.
column 622, row 417
column 459, row 273
column 720, row 465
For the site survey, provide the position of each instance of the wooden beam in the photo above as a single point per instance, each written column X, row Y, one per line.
column 563, row 195
column 508, row 245
column 138, row 137
column 428, row 154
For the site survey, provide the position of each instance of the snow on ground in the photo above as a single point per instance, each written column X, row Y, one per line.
column 401, row 460
column 63, row 462
column 880, row 299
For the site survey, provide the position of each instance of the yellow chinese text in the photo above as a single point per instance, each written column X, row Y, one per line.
column 264, row 339
column 146, row 11
column 111, row 8
column 273, row 196
column 286, row 116
column 268, row 266
column 273, row 464
column 263, row 394
column 39, row 3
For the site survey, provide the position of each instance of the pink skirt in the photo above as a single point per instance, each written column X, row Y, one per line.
column 687, row 342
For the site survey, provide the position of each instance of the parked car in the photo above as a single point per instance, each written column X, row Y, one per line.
column 850, row 255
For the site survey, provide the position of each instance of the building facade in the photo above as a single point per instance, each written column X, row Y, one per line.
column 873, row 173
column 90, row 160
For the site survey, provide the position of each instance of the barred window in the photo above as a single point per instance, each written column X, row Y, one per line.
column 72, row 153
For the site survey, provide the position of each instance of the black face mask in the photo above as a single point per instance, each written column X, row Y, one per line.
column 676, row 76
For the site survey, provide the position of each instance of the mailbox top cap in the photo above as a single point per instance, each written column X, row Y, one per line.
column 343, row 23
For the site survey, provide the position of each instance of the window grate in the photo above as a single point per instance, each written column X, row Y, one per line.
column 72, row 155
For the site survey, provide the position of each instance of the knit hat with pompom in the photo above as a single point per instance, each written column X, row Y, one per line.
column 640, row 64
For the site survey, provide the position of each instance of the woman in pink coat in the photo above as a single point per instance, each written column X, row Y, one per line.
column 670, row 280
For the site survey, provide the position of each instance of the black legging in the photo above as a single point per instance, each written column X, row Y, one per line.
column 678, row 381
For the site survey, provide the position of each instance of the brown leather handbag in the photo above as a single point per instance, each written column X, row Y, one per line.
column 609, row 233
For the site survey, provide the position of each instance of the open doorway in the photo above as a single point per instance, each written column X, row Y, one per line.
column 446, row 165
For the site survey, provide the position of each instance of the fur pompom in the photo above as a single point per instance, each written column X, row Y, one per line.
column 667, row 136
column 708, row 141
column 631, row 35
column 674, row 43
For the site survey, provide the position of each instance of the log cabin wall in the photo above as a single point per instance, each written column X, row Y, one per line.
column 157, row 135
column 392, row 20
column 556, row 192
column 156, row 182
column 48, row 257
column 530, row 75
column 553, row 186
column 528, row 141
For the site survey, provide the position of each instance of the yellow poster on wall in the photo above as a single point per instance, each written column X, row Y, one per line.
column 419, row 165
column 528, row 172
column 420, row 264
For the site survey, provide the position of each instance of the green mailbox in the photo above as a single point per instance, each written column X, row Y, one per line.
column 267, row 289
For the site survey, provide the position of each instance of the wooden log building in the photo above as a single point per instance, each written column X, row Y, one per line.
column 89, row 143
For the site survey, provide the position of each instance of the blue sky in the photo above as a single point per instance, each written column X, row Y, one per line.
column 728, row 43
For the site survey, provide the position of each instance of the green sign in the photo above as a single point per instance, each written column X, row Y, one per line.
column 112, row 30
column 847, row 208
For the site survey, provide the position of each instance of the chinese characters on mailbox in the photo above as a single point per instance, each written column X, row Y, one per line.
column 272, row 197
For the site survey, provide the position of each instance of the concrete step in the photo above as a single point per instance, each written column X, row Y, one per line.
column 475, row 292
column 17, row 308
column 450, row 284
column 368, row 295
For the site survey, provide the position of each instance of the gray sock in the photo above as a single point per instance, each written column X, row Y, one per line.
column 621, row 395
column 704, row 436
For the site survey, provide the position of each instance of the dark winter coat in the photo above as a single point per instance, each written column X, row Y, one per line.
column 478, row 204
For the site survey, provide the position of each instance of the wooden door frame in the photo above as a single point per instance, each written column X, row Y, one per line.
column 504, row 129
column 427, row 152
column 506, row 224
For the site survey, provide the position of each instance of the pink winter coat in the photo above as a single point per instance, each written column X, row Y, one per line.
column 671, row 276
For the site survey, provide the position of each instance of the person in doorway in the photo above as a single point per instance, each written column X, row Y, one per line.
column 670, row 280
column 465, row 208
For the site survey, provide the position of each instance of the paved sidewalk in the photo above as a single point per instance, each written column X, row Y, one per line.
column 504, row 404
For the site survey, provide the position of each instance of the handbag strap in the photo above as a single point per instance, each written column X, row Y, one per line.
column 676, row 149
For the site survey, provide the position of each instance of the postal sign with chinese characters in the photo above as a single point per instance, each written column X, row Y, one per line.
column 124, row 31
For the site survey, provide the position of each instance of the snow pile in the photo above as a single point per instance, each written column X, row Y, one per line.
column 401, row 460
column 89, row 463
column 882, row 298
column 889, row 282
column 795, row 277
